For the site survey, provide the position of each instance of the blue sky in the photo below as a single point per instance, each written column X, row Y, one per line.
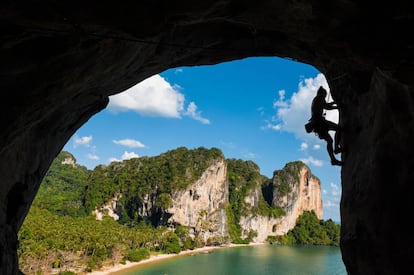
column 252, row 109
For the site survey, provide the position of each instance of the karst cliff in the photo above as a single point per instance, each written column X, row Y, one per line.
column 294, row 189
column 204, row 203
column 60, row 60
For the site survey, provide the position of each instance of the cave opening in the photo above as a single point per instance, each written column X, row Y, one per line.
column 60, row 62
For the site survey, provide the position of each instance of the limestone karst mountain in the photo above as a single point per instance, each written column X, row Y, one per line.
column 219, row 199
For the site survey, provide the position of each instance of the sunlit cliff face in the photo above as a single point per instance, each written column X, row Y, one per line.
column 60, row 62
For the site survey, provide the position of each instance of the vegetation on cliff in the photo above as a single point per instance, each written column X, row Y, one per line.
column 63, row 187
column 244, row 177
column 152, row 179
column 60, row 233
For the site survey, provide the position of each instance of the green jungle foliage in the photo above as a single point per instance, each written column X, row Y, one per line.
column 158, row 177
column 309, row 230
column 286, row 176
column 62, row 188
column 48, row 240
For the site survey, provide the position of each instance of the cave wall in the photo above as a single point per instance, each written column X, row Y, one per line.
column 377, row 179
column 60, row 60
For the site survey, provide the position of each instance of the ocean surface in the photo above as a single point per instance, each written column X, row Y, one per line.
column 248, row 260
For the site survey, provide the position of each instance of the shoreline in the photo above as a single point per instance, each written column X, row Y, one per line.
column 120, row 268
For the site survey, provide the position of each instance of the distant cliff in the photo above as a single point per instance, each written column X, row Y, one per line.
column 295, row 190
column 220, row 200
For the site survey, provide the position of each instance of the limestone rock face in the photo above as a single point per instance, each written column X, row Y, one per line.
column 111, row 209
column 202, row 205
column 69, row 161
column 60, row 61
column 295, row 190
column 303, row 191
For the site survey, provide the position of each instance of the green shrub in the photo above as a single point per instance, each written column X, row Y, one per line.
column 136, row 255
column 309, row 230
column 189, row 244
column 172, row 244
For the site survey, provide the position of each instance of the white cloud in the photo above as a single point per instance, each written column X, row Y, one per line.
column 129, row 155
column 131, row 143
column 316, row 147
column 82, row 141
column 292, row 114
column 93, row 157
column 281, row 103
column 193, row 113
column 272, row 126
column 155, row 97
column 313, row 161
column 303, row 146
column 152, row 97
column 125, row 156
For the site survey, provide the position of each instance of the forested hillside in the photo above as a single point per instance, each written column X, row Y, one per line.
column 60, row 233
column 62, row 190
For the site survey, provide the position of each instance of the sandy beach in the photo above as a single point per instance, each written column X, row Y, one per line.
column 119, row 268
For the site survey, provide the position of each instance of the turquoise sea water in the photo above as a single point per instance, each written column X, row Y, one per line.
column 263, row 260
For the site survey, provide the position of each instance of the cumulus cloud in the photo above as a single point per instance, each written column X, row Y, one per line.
column 272, row 126
column 129, row 155
column 82, row 141
column 92, row 157
column 131, row 143
column 193, row 113
column 303, row 146
column 312, row 161
column 292, row 114
column 281, row 103
column 152, row 97
column 125, row 156
column 316, row 147
column 155, row 97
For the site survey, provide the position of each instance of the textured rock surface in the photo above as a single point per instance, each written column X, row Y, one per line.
column 61, row 59
column 111, row 209
column 202, row 205
column 304, row 195
column 301, row 190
